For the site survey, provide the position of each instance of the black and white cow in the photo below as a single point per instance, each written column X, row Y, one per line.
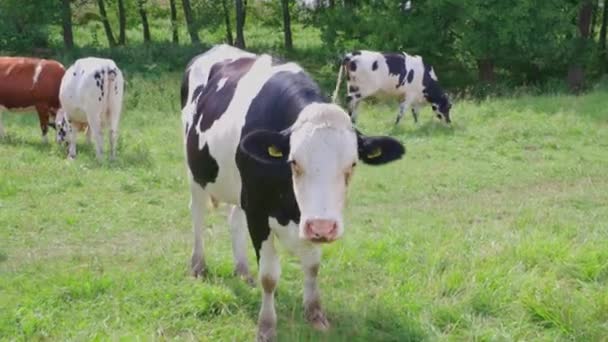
column 260, row 136
column 394, row 74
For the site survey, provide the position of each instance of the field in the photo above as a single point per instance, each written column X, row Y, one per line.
column 493, row 229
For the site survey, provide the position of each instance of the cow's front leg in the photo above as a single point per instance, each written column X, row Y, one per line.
column 352, row 103
column 311, row 260
column 270, row 271
column 415, row 111
column 72, row 133
column 43, row 117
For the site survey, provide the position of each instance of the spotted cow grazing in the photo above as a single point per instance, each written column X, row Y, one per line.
column 260, row 136
column 91, row 94
column 30, row 83
column 394, row 74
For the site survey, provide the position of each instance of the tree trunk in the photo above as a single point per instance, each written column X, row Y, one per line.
column 227, row 19
column 603, row 50
column 287, row 25
column 240, row 22
column 192, row 28
column 174, row 31
column 144, row 21
column 68, row 36
column 106, row 23
column 485, row 68
column 576, row 73
column 122, row 23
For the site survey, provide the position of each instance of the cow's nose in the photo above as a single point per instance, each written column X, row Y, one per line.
column 320, row 230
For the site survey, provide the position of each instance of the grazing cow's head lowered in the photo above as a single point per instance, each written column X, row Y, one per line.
column 435, row 95
column 319, row 152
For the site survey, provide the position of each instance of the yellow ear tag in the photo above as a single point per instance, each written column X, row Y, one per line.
column 377, row 152
column 274, row 151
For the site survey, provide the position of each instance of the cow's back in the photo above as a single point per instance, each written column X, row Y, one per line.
column 87, row 86
column 26, row 82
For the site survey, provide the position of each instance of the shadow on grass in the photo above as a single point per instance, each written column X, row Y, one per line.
column 348, row 323
column 37, row 144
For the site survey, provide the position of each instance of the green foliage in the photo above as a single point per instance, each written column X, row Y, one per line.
column 24, row 25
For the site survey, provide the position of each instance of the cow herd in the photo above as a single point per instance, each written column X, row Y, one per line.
column 86, row 97
column 259, row 135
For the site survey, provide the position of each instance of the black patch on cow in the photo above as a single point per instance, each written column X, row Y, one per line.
column 410, row 76
column 357, row 95
column 97, row 75
column 112, row 72
column 203, row 166
column 212, row 102
column 74, row 73
column 210, row 106
column 99, row 99
column 356, row 53
column 269, row 193
column 352, row 89
column 352, row 66
column 345, row 60
column 197, row 91
column 183, row 91
column 349, row 98
column 97, row 83
column 396, row 66
column 375, row 66
column 102, row 93
column 103, row 71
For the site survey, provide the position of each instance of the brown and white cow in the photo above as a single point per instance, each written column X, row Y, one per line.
column 30, row 83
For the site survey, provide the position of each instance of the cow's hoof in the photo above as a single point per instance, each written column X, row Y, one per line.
column 266, row 332
column 198, row 268
column 317, row 319
column 242, row 271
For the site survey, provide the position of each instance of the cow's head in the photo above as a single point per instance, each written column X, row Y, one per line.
column 63, row 127
column 441, row 106
column 319, row 152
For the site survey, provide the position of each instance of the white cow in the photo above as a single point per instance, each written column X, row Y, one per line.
column 91, row 93
column 407, row 77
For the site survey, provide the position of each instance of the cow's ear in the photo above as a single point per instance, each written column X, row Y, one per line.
column 266, row 147
column 379, row 150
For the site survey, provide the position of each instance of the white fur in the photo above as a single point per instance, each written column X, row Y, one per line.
column 221, row 83
column 37, row 72
column 79, row 96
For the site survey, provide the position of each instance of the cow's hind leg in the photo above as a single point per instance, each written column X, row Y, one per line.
column 197, row 207
column 270, row 271
column 238, row 226
column 403, row 106
column 310, row 260
column 94, row 121
column 43, row 117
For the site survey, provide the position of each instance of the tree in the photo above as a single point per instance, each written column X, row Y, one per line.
column 603, row 50
column 287, row 25
column 144, row 20
column 229, row 38
column 192, row 28
column 174, row 21
column 576, row 74
column 106, row 23
column 240, row 7
column 68, row 36
column 122, row 23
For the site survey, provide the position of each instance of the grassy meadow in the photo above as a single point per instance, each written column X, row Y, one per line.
column 493, row 229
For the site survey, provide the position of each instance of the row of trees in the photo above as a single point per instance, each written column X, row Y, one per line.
column 524, row 41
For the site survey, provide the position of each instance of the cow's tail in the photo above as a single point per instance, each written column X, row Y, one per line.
column 334, row 97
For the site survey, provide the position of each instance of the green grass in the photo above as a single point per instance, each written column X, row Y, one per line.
column 493, row 229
